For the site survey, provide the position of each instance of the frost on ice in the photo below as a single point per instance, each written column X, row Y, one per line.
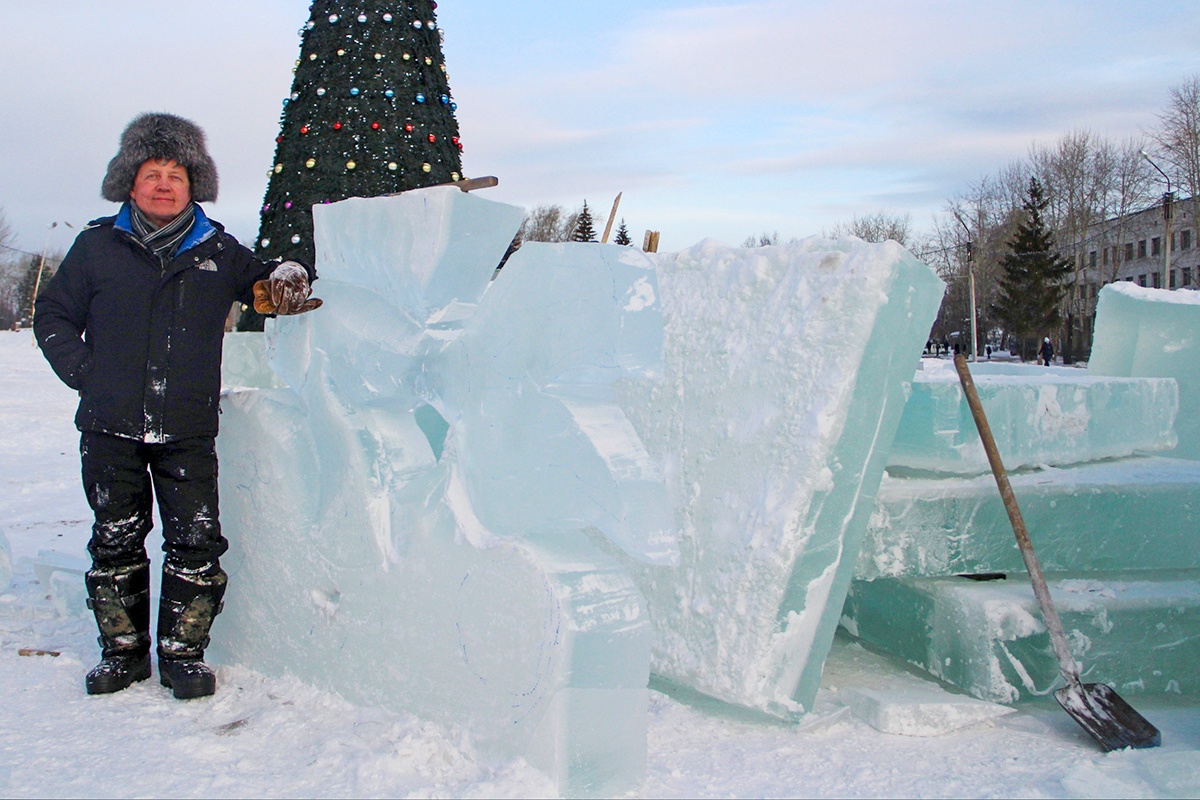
column 489, row 502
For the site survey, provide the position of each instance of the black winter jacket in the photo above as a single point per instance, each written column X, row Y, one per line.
column 141, row 340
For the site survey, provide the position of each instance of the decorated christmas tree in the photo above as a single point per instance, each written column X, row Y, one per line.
column 370, row 113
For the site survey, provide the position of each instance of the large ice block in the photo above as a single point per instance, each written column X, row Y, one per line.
column 1139, row 634
column 1144, row 332
column 407, row 518
column 1132, row 514
column 1040, row 416
column 786, row 373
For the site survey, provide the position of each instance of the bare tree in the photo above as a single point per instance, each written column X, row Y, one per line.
column 762, row 240
column 878, row 227
column 548, row 224
column 1177, row 138
column 10, row 275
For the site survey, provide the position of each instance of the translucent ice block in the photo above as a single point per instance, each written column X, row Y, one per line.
column 244, row 362
column 1039, row 416
column 786, row 372
column 1132, row 514
column 407, row 517
column 1136, row 633
column 1144, row 332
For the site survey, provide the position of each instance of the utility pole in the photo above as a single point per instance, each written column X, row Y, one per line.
column 1168, row 200
column 971, row 284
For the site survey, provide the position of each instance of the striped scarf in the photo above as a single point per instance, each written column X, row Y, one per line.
column 163, row 241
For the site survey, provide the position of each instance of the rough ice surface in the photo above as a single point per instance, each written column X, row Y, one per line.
column 786, row 370
column 1053, row 416
column 410, row 518
column 1137, row 634
column 1137, row 514
column 1143, row 332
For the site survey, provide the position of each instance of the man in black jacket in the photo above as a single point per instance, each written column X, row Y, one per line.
column 134, row 321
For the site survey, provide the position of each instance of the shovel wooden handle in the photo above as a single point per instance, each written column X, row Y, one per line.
column 1058, row 637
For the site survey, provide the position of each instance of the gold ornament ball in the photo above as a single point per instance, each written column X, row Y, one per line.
column 278, row 168
column 312, row 162
column 454, row 176
column 426, row 168
column 393, row 166
column 350, row 165
column 341, row 52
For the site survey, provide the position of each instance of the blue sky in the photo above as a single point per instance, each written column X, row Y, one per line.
column 720, row 119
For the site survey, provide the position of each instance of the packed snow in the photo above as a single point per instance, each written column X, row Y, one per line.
column 281, row 738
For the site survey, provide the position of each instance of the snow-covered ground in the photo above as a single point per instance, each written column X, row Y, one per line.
column 280, row 738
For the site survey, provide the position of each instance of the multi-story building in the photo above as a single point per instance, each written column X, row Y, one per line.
column 1131, row 248
column 1134, row 248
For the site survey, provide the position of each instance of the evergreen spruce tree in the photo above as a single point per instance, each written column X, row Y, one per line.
column 1033, row 279
column 584, row 230
column 370, row 113
column 622, row 237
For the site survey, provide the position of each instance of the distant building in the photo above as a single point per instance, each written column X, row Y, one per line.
column 1132, row 248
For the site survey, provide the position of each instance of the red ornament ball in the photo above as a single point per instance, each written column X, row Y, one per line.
column 409, row 127
column 337, row 126
column 304, row 129
column 374, row 126
column 432, row 138
column 278, row 139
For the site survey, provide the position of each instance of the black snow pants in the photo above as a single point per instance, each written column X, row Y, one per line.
column 122, row 477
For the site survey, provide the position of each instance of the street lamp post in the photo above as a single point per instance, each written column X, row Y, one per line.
column 1167, row 201
column 971, row 286
column 37, row 281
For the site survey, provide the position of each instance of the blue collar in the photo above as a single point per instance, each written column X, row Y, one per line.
column 201, row 230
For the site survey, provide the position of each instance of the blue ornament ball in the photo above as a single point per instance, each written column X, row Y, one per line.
column 420, row 98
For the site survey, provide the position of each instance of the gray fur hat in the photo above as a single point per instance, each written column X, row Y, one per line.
column 161, row 136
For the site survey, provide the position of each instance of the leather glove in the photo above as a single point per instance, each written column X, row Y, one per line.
column 285, row 292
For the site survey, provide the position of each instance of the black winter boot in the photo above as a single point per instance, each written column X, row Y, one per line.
column 120, row 599
column 186, row 610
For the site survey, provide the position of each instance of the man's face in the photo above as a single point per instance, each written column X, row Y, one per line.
column 161, row 190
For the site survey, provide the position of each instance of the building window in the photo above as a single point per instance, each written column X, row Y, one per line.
column 1187, row 276
column 1104, row 256
column 1129, row 251
column 1141, row 280
column 1092, row 260
column 1157, row 279
column 1171, row 280
column 1141, row 248
column 1156, row 246
column 1185, row 240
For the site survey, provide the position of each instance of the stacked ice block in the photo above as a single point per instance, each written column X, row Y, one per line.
column 1113, row 524
column 1144, row 332
column 786, row 373
column 371, row 550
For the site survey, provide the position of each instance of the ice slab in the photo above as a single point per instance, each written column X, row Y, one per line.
column 244, row 362
column 1133, row 514
column 62, row 575
column 786, row 373
column 1039, row 416
column 1138, row 634
column 919, row 711
column 1143, row 332
column 6, row 562
column 412, row 518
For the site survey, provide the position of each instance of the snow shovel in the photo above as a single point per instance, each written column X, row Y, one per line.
column 1095, row 706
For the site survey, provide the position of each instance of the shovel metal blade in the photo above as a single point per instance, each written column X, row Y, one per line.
column 1109, row 719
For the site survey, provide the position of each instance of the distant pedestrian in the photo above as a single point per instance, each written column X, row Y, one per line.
column 1047, row 352
column 988, row 348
